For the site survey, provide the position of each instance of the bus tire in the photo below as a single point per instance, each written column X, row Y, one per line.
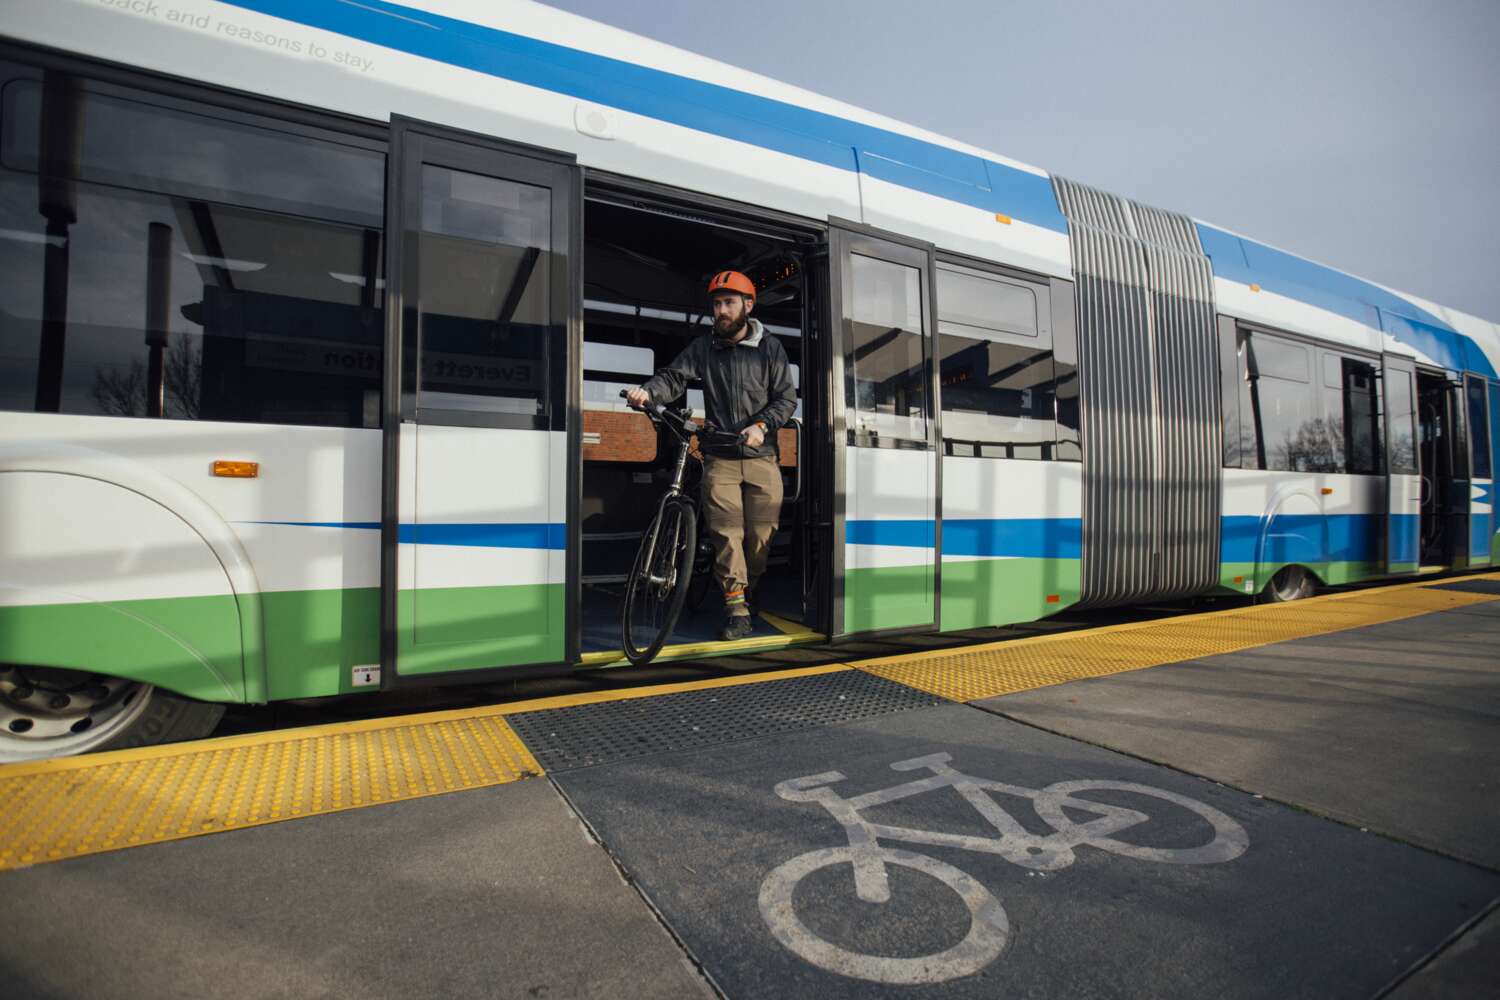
column 1291, row 583
column 168, row 718
column 48, row 713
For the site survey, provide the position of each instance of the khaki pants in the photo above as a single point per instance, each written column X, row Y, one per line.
column 741, row 506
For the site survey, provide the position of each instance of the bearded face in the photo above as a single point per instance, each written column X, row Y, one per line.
column 731, row 315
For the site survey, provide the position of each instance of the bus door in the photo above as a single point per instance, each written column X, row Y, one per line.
column 1476, row 404
column 478, row 470
column 1403, row 474
column 885, row 434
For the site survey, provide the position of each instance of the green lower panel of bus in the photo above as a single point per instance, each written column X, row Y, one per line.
column 978, row 593
column 310, row 642
column 190, row 645
column 471, row 628
column 887, row 597
column 315, row 638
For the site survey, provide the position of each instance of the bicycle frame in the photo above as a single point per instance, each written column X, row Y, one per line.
column 1014, row 843
column 674, row 492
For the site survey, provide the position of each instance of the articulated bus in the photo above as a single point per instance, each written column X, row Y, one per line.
column 314, row 317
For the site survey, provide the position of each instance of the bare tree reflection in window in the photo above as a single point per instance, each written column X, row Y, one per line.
column 123, row 393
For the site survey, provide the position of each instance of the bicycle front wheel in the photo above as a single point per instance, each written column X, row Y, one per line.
column 659, row 580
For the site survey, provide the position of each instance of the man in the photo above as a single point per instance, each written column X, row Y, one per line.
column 747, row 388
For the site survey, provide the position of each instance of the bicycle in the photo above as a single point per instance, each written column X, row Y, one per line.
column 989, row 928
column 663, row 568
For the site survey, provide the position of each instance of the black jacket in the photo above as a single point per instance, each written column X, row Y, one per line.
column 742, row 383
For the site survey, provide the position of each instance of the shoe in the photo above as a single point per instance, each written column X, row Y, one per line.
column 735, row 627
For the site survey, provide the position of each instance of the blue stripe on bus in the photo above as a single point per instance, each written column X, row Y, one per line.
column 917, row 534
column 1236, row 258
column 705, row 107
column 1479, row 535
column 847, row 145
column 1018, row 537
column 495, row 536
column 1314, row 538
column 824, row 138
column 1406, row 539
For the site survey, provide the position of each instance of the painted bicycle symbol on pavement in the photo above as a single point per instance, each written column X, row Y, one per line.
column 989, row 928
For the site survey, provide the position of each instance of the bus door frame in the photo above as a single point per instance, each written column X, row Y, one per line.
column 410, row 142
column 846, row 238
column 1402, row 490
column 1458, row 511
column 814, row 527
column 1478, row 556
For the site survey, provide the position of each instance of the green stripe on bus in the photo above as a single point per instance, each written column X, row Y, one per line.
column 978, row 593
column 312, row 639
column 887, row 597
column 190, row 645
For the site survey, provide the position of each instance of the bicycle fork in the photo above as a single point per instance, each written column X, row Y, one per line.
column 870, row 882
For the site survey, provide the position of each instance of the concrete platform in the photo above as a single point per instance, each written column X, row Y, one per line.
column 704, row 833
column 494, row 892
column 1312, row 817
column 1394, row 727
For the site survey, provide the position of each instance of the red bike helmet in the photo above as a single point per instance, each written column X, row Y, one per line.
column 732, row 281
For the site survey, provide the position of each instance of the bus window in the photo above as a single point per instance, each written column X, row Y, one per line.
column 1246, row 379
column 165, row 259
column 1363, row 454
column 484, row 253
column 888, row 371
column 1401, row 405
column 996, row 366
column 1479, row 428
column 1294, row 435
column 1065, row 368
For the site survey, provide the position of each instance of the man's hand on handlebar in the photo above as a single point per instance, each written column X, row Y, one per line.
column 754, row 435
column 637, row 397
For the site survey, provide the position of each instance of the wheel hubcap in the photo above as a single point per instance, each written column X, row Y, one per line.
column 1289, row 584
column 46, row 712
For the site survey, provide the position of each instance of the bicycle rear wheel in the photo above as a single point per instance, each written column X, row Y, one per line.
column 659, row 580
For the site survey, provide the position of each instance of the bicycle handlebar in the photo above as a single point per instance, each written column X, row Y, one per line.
column 660, row 412
column 681, row 422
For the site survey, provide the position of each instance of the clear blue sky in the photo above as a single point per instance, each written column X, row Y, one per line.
column 1362, row 133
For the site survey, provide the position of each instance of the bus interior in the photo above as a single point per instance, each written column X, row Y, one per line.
column 646, row 267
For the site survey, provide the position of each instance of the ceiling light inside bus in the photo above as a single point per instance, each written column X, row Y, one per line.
column 227, row 263
column 354, row 279
column 21, row 236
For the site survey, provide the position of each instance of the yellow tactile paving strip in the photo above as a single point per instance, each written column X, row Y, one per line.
column 976, row 672
column 52, row 810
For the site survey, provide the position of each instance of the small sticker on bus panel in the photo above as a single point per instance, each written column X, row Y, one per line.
column 366, row 675
column 1249, row 586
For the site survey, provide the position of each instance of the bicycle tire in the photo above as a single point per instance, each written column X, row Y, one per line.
column 989, row 927
column 1230, row 840
column 670, row 543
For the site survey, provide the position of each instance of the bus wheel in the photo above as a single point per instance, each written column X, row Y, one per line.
column 1293, row 583
column 48, row 712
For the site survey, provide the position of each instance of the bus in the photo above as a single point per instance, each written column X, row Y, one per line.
column 314, row 317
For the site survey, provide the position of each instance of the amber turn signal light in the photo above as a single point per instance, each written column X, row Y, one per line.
column 237, row 470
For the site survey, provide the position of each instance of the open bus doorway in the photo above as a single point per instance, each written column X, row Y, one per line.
column 646, row 270
column 1445, row 477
